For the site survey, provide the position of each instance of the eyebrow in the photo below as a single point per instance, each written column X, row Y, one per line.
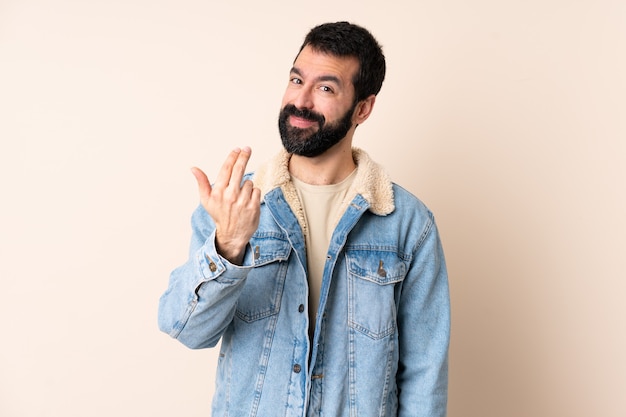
column 330, row 78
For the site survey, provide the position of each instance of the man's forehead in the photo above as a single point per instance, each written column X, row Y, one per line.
column 328, row 67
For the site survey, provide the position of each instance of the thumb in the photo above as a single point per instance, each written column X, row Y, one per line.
column 204, row 187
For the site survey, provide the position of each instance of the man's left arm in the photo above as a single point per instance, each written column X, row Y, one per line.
column 424, row 331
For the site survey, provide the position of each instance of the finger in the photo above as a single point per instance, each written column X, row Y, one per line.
column 246, row 189
column 255, row 197
column 204, row 186
column 239, row 168
column 223, row 176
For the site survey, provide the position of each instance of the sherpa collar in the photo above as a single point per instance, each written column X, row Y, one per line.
column 370, row 181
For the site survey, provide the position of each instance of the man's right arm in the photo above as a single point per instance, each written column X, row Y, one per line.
column 202, row 294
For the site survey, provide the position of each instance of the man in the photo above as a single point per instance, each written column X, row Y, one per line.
column 324, row 281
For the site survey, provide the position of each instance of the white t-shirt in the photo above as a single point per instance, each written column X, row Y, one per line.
column 321, row 205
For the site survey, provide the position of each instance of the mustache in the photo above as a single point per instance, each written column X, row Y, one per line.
column 291, row 110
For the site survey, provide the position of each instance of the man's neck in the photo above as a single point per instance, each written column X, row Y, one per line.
column 332, row 167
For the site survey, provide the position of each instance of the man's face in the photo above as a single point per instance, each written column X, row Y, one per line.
column 318, row 105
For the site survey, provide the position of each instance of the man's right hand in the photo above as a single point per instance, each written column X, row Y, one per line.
column 234, row 207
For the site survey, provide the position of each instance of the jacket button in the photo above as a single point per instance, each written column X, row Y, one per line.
column 297, row 368
column 381, row 270
column 301, row 308
column 212, row 266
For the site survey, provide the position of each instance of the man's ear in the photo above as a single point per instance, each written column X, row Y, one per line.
column 363, row 109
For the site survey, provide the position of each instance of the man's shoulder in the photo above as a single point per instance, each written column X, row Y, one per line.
column 407, row 201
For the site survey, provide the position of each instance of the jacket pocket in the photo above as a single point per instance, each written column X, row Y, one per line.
column 262, row 292
column 372, row 275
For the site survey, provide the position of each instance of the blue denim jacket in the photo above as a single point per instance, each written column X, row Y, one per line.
column 380, row 345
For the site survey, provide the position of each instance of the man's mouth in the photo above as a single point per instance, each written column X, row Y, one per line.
column 301, row 122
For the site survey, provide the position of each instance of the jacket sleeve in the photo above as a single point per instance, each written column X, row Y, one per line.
column 202, row 294
column 424, row 331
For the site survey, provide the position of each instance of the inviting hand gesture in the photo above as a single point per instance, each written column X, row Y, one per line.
column 235, row 207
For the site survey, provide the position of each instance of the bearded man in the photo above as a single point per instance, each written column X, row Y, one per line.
column 324, row 281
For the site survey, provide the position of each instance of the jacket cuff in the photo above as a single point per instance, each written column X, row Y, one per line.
column 212, row 264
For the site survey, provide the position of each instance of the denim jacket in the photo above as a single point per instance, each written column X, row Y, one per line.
column 380, row 345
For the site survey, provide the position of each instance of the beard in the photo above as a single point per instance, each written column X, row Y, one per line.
column 305, row 142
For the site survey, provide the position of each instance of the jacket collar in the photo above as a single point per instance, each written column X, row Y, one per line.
column 370, row 181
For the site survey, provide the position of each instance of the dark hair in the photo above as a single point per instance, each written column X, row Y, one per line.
column 344, row 39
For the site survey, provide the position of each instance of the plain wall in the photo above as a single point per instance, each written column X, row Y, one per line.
column 508, row 118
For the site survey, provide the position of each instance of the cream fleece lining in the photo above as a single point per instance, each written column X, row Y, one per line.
column 371, row 181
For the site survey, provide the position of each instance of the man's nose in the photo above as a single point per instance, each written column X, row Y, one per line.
column 304, row 99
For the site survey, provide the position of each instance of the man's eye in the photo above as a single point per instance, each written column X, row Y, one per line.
column 326, row 89
column 296, row 80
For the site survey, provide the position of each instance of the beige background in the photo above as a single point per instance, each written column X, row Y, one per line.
column 508, row 118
